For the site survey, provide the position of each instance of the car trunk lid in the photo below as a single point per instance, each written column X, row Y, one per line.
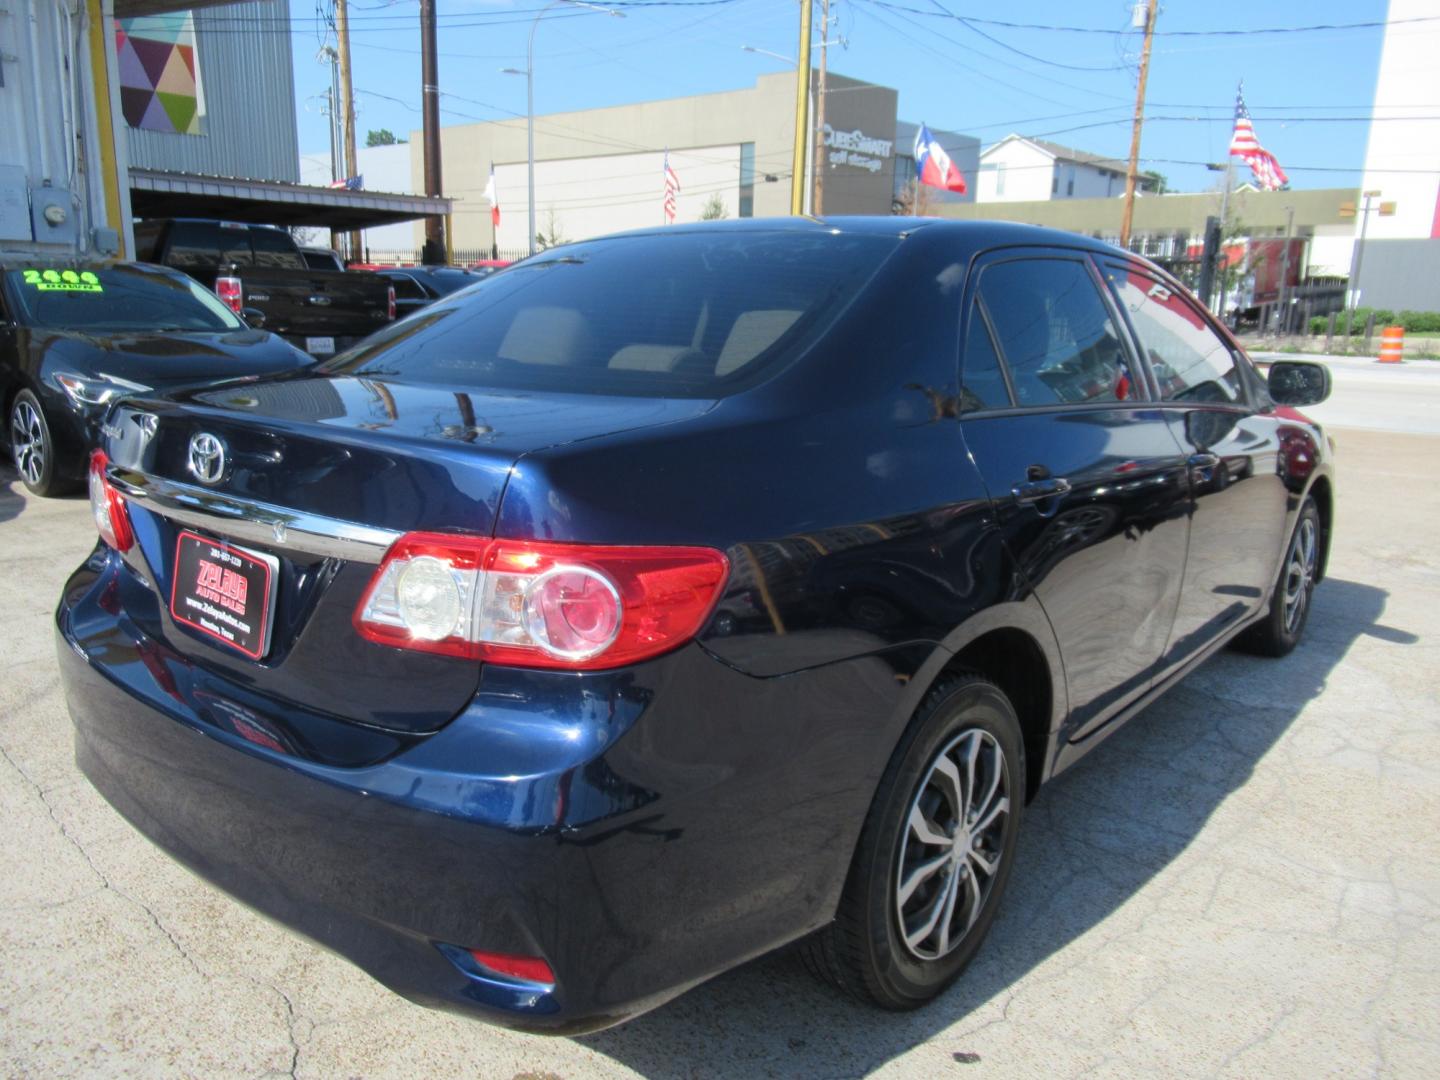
column 318, row 476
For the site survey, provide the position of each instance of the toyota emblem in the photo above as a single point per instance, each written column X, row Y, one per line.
column 207, row 457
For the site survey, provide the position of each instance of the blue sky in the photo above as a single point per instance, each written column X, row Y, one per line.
column 1309, row 93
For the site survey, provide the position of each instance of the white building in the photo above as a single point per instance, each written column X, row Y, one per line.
column 1400, row 259
column 381, row 168
column 1021, row 169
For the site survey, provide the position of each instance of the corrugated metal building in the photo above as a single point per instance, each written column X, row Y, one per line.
column 56, row 141
column 243, row 66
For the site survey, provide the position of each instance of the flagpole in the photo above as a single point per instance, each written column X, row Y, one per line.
column 1229, row 182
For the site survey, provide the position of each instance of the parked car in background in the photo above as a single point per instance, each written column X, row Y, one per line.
column 419, row 286
column 258, row 271
column 489, row 266
column 75, row 338
column 318, row 258
column 676, row 595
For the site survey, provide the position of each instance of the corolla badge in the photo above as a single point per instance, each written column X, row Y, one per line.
column 207, row 457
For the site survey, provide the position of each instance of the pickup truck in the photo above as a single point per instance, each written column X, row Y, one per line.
column 260, row 272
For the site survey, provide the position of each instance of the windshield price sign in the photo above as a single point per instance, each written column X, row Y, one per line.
column 63, row 280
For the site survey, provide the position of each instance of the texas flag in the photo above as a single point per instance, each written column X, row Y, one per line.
column 933, row 165
column 493, row 199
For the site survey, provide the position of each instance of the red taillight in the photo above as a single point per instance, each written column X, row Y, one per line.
column 539, row 604
column 390, row 302
column 107, row 506
column 529, row 968
column 230, row 292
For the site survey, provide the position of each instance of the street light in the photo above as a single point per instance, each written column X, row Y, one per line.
column 529, row 74
column 766, row 52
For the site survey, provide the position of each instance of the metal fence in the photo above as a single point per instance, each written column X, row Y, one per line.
column 458, row 257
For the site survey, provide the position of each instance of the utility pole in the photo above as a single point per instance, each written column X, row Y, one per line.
column 817, row 199
column 1130, row 176
column 802, row 112
column 1353, row 301
column 347, row 104
column 1283, row 323
column 434, row 252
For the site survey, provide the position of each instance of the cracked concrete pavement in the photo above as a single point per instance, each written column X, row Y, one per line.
column 1243, row 882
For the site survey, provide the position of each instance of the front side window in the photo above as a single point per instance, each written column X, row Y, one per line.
column 1055, row 333
column 1190, row 361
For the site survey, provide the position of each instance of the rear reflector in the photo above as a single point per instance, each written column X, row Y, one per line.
column 529, row 968
column 107, row 506
column 539, row 604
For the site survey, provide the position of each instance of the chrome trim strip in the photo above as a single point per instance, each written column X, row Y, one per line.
column 249, row 521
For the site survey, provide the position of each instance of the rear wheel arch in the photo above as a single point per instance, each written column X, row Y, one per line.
column 1015, row 662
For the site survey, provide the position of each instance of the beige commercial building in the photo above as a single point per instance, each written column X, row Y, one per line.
column 601, row 171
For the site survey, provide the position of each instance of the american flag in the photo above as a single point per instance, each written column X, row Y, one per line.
column 672, row 188
column 350, row 183
column 1243, row 144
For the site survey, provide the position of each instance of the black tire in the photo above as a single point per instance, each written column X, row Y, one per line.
column 1284, row 624
column 32, row 446
column 864, row 951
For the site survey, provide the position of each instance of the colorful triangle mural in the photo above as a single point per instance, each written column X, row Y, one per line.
column 160, row 87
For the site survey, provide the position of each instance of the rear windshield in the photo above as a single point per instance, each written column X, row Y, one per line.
column 697, row 314
column 116, row 298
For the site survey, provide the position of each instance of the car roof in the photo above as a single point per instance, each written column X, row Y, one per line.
column 973, row 234
column 410, row 270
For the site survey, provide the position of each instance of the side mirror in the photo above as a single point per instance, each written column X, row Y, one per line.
column 1297, row 382
column 253, row 317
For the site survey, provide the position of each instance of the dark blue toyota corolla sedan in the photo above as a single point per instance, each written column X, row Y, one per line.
column 675, row 596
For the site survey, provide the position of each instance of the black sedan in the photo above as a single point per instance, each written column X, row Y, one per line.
column 677, row 595
column 75, row 338
column 419, row 286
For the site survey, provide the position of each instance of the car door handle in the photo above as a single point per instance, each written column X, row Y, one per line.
column 1034, row 490
column 1202, row 461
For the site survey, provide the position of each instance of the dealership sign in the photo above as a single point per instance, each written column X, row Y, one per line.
column 856, row 148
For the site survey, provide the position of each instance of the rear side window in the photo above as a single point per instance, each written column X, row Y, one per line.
column 682, row 315
column 1055, row 333
column 195, row 245
column 1190, row 361
column 276, row 250
column 982, row 385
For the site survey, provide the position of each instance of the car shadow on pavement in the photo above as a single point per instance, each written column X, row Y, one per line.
column 11, row 501
column 1090, row 841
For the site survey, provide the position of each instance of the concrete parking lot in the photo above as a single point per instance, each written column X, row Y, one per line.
column 1244, row 882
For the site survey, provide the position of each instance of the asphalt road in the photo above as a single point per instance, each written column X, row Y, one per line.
column 1380, row 397
column 1243, row 882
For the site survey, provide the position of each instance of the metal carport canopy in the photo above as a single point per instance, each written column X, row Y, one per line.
column 157, row 193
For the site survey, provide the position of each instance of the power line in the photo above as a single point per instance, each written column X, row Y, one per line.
column 969, row 24
column 1227, row 32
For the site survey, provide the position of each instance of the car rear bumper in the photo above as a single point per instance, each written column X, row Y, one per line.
column 638, row 841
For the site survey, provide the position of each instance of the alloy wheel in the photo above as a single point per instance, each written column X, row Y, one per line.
column 1300, row 573
column 951, row 852
column 27, row 441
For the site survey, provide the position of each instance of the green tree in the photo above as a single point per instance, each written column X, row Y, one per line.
column 714, row 209
column 552, row 234
column 1158, row 179
column 383, row 137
